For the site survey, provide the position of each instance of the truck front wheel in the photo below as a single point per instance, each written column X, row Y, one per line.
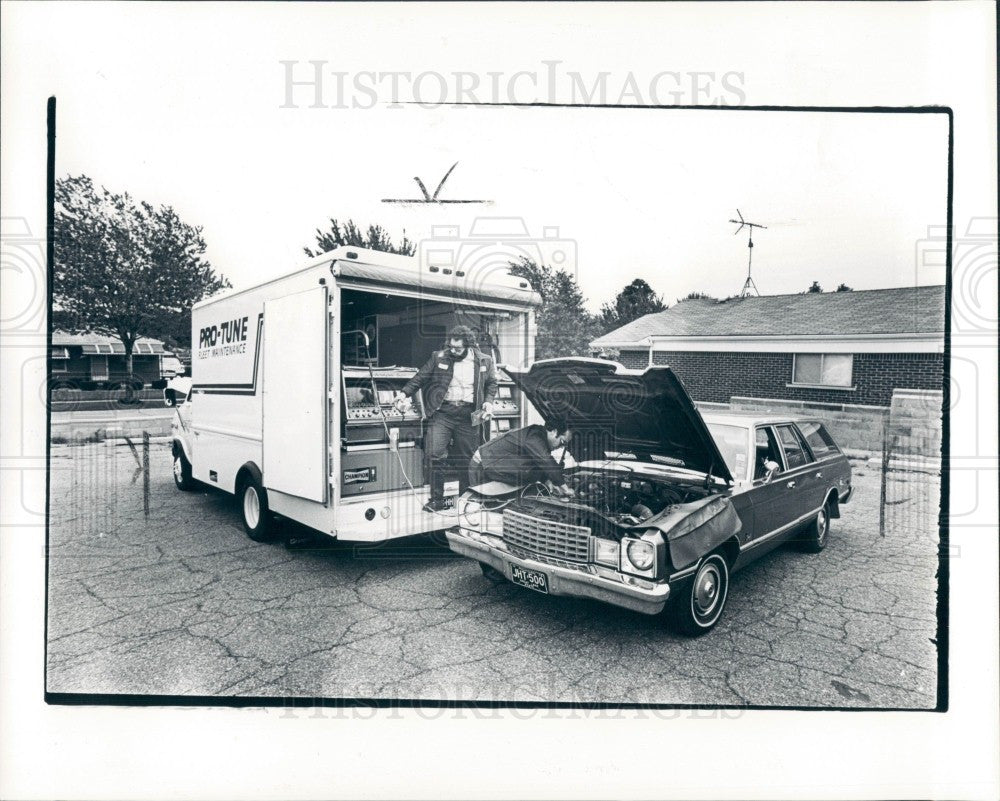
column 182, row 471
column 257, row 521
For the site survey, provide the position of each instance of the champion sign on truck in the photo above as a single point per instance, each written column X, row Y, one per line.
column 291, row 404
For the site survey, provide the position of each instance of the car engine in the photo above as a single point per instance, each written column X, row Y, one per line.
column 607, row 502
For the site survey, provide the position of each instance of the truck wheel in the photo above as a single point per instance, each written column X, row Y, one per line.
column 182, row 472
column 257, row 521
column 815, row 536
column 696, row 610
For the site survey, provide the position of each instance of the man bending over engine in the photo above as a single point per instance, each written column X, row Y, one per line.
column 522, row 456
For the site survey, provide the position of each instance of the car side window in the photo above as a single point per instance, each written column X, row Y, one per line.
column 767, row 451
column 795, row 452
column 820, row 441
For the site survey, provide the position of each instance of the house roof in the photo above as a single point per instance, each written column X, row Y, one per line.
column 904, row 310
column 104, row 344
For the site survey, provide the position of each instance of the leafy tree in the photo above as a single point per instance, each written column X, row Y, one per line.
column 375, row 238
column 634, row 301
column 124, row 267
column 845, row 288
column 565, row 327
column 815, row 287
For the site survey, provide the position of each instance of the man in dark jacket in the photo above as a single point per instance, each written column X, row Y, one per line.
column 456, row 382
column 522, row 456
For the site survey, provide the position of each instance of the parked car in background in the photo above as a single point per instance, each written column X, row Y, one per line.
column 171, row 366
column 668, row 503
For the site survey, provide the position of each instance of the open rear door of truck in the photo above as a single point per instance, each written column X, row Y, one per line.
column 296, row 361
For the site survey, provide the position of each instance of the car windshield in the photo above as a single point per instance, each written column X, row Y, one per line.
column 732, row 442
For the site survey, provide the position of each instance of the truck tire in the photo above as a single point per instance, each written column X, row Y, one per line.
column 182, row 472
column 252, row 499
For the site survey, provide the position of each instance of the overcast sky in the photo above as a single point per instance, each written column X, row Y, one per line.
column 639, row 193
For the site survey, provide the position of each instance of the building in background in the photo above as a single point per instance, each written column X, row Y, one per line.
column 845, row 354
column 96, row 361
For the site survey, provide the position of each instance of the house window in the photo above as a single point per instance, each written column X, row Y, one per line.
column 822, row 369
column 99, row 368
column 59, row 359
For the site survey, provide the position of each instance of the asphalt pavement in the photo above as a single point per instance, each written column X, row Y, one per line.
column 180, row 602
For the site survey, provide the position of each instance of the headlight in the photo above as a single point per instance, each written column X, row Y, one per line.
column 641, row 554
column 606, row 552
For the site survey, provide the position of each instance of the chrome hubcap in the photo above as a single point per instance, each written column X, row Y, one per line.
column 178, row 471
column 707, row 589
column 821, row 526
column 251, row 507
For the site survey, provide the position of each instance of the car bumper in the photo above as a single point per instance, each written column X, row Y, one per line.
column 639, row 595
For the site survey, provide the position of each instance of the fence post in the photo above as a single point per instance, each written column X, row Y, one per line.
column 884, row 471
column 145, row 473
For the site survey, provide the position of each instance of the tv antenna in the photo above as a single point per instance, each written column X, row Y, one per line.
column 748, row 285
column 427, row 196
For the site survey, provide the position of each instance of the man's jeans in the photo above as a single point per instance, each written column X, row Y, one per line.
column 450, row 425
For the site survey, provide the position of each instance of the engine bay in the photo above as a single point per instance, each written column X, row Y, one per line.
column 609, row 502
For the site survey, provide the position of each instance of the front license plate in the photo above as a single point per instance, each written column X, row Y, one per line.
column 532, row 579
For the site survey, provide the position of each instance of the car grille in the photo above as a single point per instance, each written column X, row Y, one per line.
column 548, row 537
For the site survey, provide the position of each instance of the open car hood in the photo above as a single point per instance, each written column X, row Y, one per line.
column 611, row 409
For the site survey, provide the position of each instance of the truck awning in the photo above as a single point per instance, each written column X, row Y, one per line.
column 454, row 287
column 59, row 352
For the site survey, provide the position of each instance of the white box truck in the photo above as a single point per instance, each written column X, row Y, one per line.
column 293, row 382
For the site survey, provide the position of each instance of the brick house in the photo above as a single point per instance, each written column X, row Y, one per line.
column 92, row 361
column 839, row 351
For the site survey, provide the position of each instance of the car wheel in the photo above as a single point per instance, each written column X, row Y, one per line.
column 698, row 609
column 168, row 398
column 492, row 573
column 816, row 535
column 257, row 521
column 182, row 472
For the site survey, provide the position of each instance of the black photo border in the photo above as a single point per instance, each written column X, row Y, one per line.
column 943, row 574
